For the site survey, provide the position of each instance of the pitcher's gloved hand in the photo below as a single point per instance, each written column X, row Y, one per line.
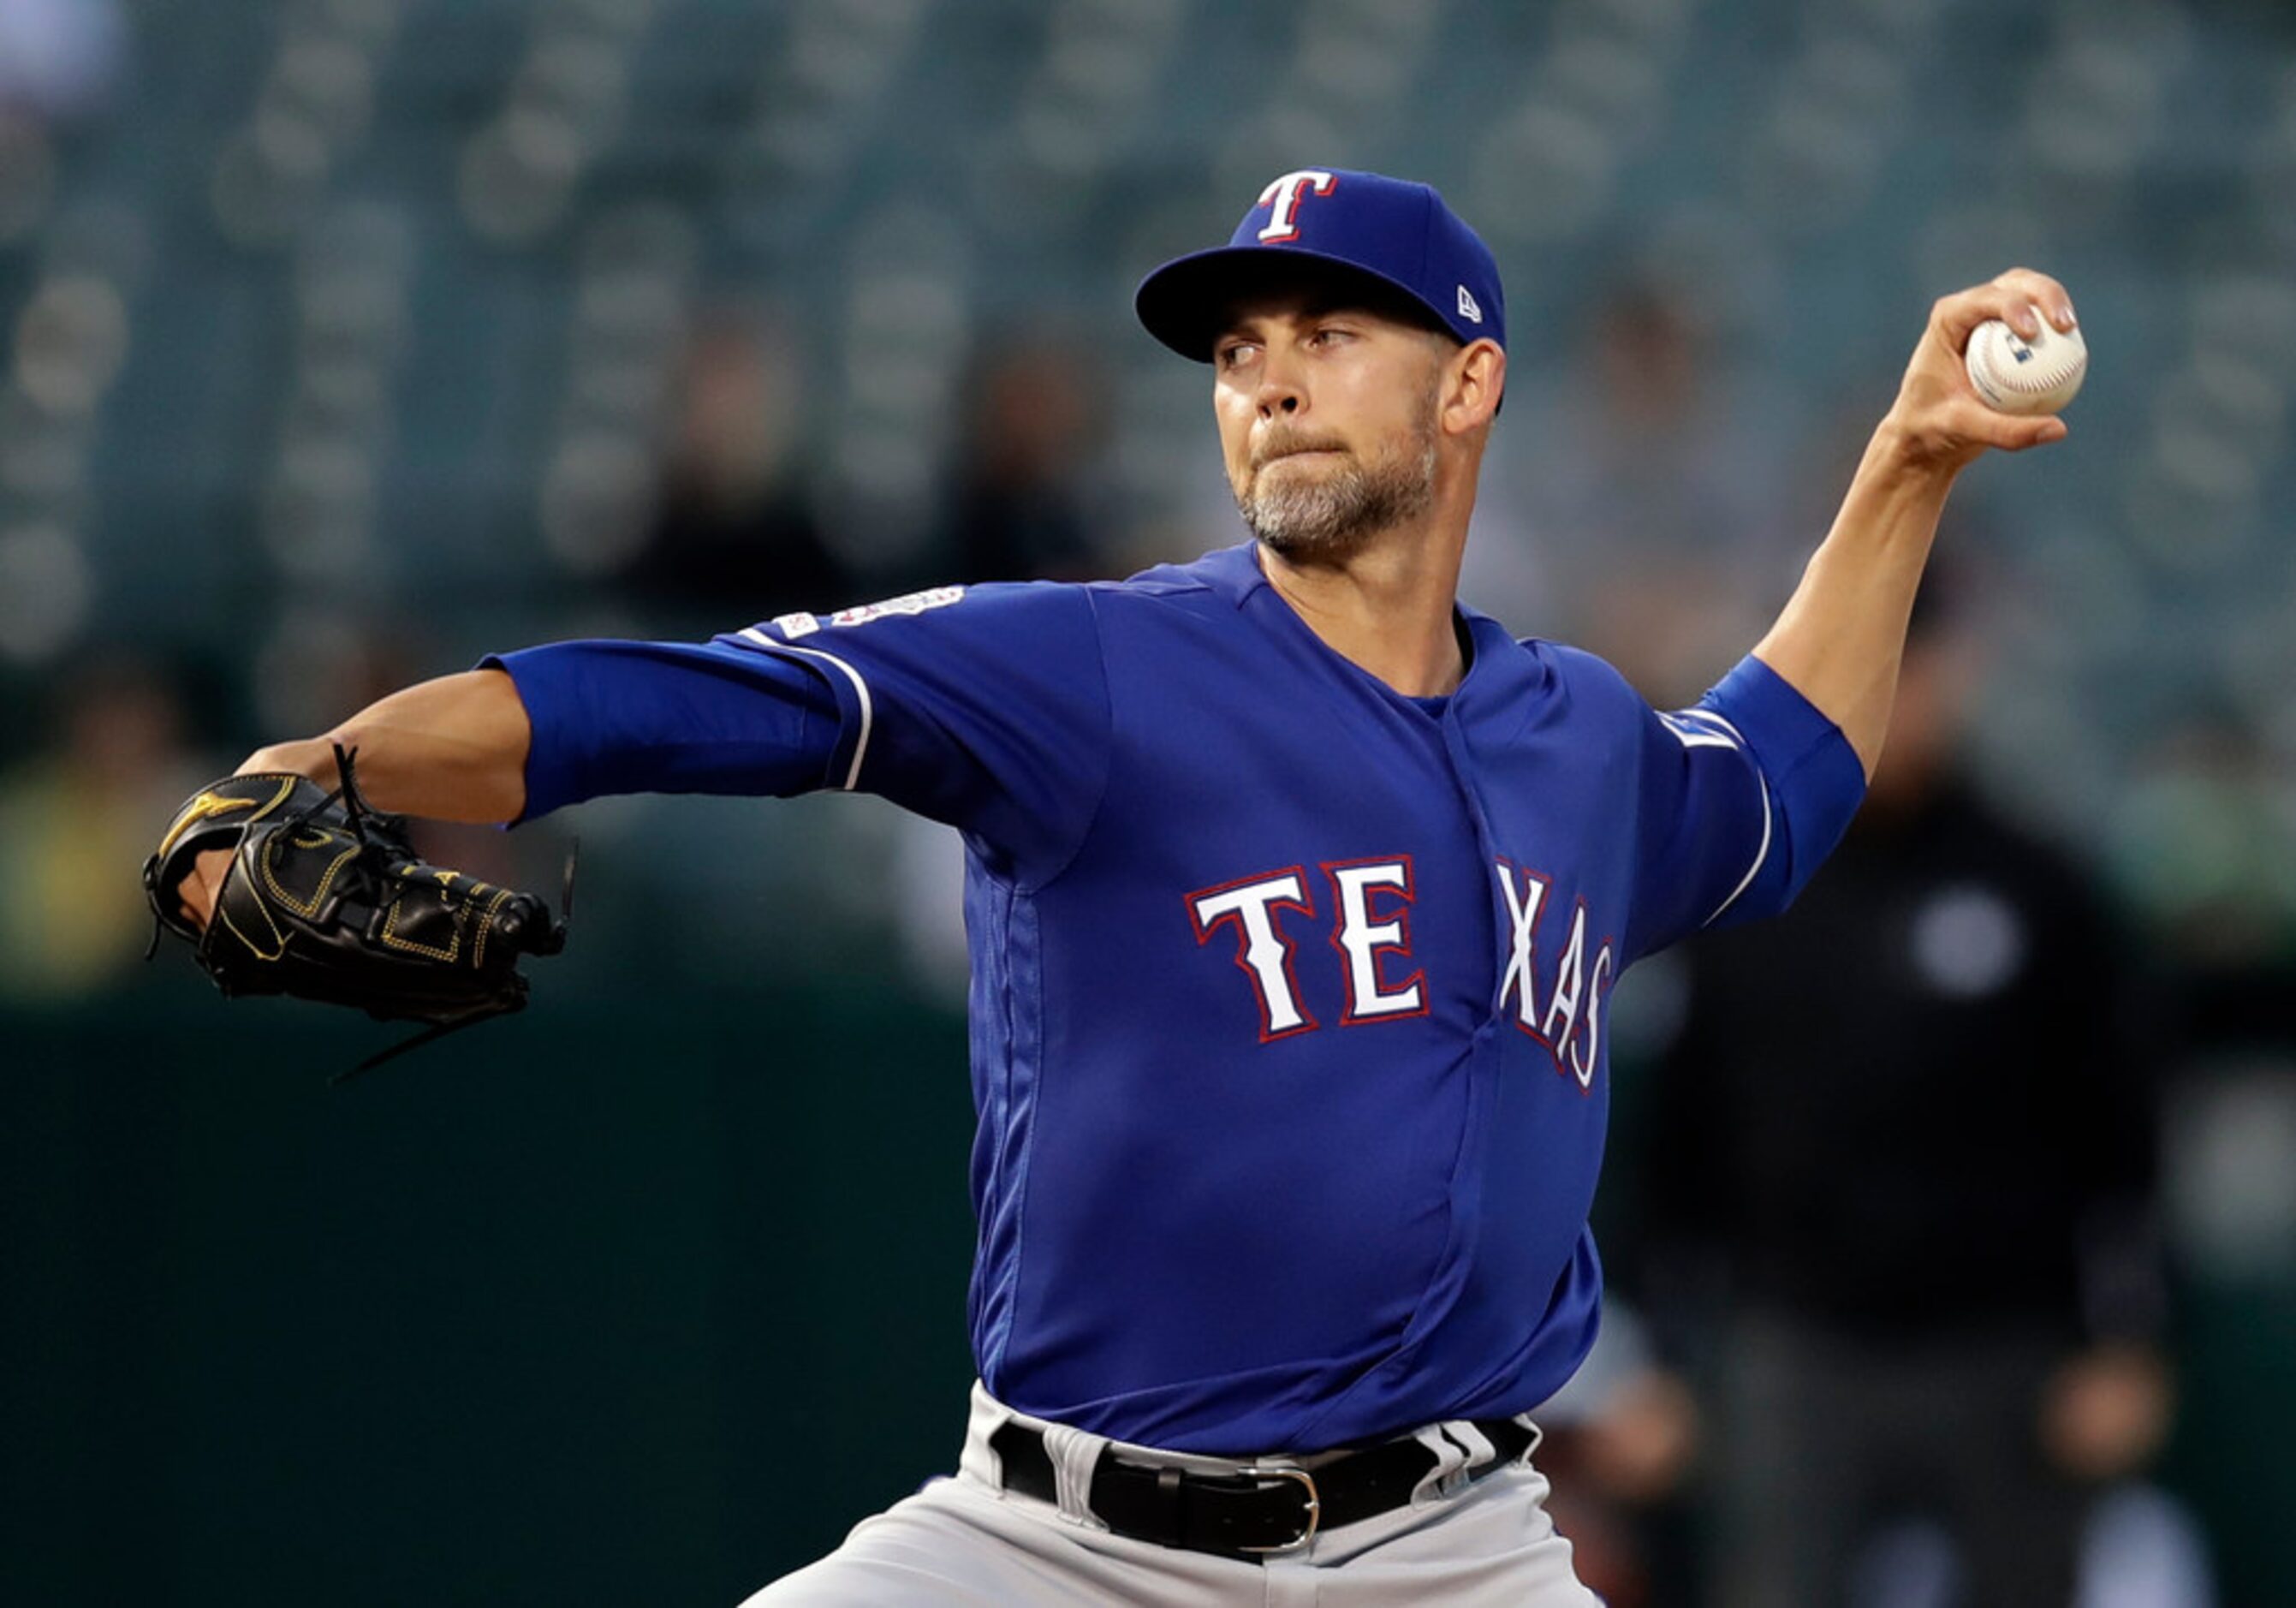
column 326, row 899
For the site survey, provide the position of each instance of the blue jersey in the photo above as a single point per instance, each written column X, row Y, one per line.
column 1289, row 991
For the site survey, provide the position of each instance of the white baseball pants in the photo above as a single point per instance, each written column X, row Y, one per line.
column 966, row 1541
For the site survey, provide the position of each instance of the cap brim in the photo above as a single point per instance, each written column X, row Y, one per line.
column 1186, row 303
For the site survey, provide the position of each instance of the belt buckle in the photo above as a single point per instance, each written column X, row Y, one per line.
column 1281, row 1472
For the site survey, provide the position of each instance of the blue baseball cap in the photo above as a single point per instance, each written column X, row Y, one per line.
column 1361, row 226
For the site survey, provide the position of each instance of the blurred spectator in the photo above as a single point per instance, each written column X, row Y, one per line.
column 1907, row 1133
column 1617, row 1438
column 1018, row 508
column 734, row 538
column 58, row 57
column 1651, row 487
column 76, row 821
column 322, row 663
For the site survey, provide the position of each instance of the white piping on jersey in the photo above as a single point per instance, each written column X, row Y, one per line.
column 1683, row 724
column 1737, row 739
column 861, row 687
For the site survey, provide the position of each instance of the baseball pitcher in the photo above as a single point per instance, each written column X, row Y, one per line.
column 1296, row 895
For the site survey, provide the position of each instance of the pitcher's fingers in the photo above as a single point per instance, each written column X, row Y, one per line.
column 2036, row 433
column 202, row 882
column 2043, row 291
column 2012, row 299
column 2009, row 432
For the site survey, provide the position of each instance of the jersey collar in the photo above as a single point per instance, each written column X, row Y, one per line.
column 1234, row 573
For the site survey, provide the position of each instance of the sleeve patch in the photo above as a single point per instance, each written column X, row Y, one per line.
column 913, row 602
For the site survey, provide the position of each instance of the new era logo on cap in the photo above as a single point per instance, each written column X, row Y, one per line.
column 1397, row 234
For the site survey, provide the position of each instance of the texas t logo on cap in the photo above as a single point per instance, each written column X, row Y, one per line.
column 1397, row 237
column 1283, row 197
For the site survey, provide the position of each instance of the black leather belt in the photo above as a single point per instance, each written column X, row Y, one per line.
column 1265, row 1507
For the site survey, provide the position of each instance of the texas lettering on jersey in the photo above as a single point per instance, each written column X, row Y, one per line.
column 1553, row 994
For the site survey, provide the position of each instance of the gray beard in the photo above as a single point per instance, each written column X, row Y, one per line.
column 1337, row 516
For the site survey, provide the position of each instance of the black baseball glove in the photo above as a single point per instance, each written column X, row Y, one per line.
column 326, row 899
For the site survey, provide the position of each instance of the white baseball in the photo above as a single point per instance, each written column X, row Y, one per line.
column 2014, row 376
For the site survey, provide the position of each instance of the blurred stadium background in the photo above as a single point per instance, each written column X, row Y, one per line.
column 342, row 340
